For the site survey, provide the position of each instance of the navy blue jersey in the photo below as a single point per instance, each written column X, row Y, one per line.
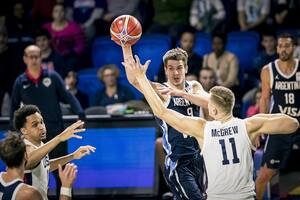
column 8, row 191
column 178, row 145
column 285, row 91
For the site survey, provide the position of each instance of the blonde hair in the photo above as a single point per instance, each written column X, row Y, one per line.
column 176, row 54
column 223, row 98
column 112, row 67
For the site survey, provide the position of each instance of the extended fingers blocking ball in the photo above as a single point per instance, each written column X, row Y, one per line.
column 125, row 29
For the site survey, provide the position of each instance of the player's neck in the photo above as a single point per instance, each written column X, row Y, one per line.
column 35, row 143
column 224, row 118
column 179, row 87
column 287, row 66
column 13, row 173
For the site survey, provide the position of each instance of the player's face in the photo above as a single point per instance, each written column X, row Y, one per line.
column 285, row 49
column 109, row 77
column 42, row 42
column 207, row 79
column 33, row 58
column 34, row 128
column 187, row 41
column 175, row 72
column 58, row 13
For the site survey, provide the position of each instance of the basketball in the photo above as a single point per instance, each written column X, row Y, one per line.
column 125, row 29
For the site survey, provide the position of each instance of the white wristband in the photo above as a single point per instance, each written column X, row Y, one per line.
column 66, row 191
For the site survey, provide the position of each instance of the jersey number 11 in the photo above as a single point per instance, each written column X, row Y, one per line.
column 233, row 147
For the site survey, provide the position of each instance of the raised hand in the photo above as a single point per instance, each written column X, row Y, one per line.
column 83, row 151
column 67, row 175
column 71, row 130
column 164, row 90
column 135, row 67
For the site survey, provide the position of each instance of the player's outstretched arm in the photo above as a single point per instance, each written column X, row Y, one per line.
column 271, row 123
column 76, row 155
column 187, row 125
column 36, row 155
column 198, row 96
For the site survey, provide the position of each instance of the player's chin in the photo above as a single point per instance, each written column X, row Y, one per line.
column 43, row 136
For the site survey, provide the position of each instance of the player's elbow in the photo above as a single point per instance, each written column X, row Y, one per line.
column 294, row 125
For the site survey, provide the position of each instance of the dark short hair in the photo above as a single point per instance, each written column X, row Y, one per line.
column 176, row 54
column 221, row 35
column 42, row 32
column 21, row 114
column 287, row 36
column 111, row 67
column 12, row 149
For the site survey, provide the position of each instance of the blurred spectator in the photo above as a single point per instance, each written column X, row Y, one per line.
column 267, row 55
column 19, row 29
column 252, row 14
column 51, row 60
column 187, row 43
column 84, row 13
column 67, row 37
column 114, row 9
column 113, row 92
column 206, row 15
column 8, row 68
column 224, row 63
column 170, row 17
column 254, row 107
column 71, row 82
column 207, row 78
column 297, row 49
column 46, row 90
column 41, row 11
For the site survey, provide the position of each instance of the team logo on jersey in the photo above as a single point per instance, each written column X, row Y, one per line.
column 274, row 161
column 277, row 77
column 47, row 82
column 298, row 76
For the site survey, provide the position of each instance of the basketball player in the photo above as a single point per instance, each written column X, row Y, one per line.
column 13, row 153
column 226, row 142
column 30, row 123
column 280, row 83
column 184, row 169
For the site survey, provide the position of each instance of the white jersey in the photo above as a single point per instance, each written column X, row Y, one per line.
column 228, row 160
column 39, row 176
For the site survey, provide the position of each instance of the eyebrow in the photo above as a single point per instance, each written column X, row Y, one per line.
column 174, row 66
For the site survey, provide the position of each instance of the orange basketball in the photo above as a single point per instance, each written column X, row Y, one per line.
column 125, row 29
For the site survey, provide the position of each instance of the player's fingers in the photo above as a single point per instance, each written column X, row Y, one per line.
column 76, row 124
column 91, row 148
column 79, row 130
column 77, row 136
column 137, row 59
column 146, row 65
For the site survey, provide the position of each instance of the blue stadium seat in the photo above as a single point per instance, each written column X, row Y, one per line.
column 202, row 44
column 89, row 83
column 245, row 46
column 152, row 47
column 124, row 81
column 105, row 51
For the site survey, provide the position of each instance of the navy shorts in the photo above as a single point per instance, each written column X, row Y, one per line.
column 278, row 149
column 188, row 180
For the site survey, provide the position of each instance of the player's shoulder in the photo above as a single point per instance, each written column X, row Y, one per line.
column 28, row 192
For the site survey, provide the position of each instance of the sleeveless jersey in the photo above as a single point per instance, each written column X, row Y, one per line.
column 178, row 145
column 285, row 90
column 8, row 191
column 228, row 160
column 39, row 176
